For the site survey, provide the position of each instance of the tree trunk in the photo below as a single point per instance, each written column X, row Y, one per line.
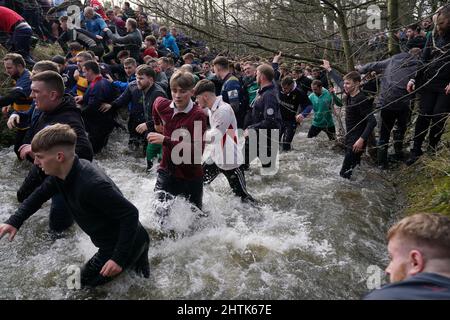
column 343, row 30
column 393, row 25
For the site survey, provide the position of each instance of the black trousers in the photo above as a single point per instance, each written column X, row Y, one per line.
column 287, row 134
column 138, row 259
column 434, row 109
column 388, row 119
column 235, row 178
column 330, row 131
column 263, row 145
column 351, row 160
column 168, row 186
column 98, row 133
column 18, row 141
column 60, row 218
column 136, row 139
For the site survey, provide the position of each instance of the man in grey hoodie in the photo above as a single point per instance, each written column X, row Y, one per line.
column 393, row 100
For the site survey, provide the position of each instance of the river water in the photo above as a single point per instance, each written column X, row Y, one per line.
column 314, row 236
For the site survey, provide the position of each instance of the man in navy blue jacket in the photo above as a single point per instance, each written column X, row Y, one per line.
column 419, row 250
column 266, row 116
column 99, row 124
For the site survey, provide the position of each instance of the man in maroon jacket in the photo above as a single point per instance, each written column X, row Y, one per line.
column 180, row 171
column 19, row 33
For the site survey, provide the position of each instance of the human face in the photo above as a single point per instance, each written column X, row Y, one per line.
column 181, row 97
column 162, row 33
column 288, row 88
column 129, row 69
column 201, row 100
column 143, row 82
column 317, row 90
column 48, row 162
column 64, row 26
column 129, row 27
column 89, row 15
column 410, row 33
column 89, row 74
column 442, row 24
column 350, row 86
column 258, row 77
column 61, row 67
column 399, row 258
column 206, row 68
column 162, row 65
column 43, row 97
column 11, row 68
column 80, row 62
column 249, row 70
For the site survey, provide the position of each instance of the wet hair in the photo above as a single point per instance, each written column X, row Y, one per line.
column 204, row 86
column 287, row 81
column 182, row 79
column 151, row 39
column 52, row 80
column 132, row 22
column 93, row 66
column 187, row 68
column 123, row 54
column 415, row 27
column 222, row 62
column 56, row 135
column 146, row 70
column 188, row 56
column 416, row 52
column 16, row 59
column 164, row 59
column 267, row 71
column 316, row 83
column 354, row 76
column 425, row 230
column 45, row 65
column 86, row 56
column 59, row 59
column 129, row 61
column 76, row 46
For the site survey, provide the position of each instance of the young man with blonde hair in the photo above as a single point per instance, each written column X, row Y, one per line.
column 419, row 253
column 94, row 201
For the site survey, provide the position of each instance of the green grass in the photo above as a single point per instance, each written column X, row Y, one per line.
column 427, row 182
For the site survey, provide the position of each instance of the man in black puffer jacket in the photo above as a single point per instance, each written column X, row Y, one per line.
column 55, row 107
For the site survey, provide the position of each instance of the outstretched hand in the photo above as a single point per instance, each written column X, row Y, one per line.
column 277, row 58
column 326, row 65
column 110, row 269
column 7, row 229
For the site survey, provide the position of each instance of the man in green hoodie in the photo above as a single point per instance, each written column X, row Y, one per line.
column 322, row 104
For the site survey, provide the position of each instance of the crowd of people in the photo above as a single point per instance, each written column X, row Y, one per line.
column 64, row 110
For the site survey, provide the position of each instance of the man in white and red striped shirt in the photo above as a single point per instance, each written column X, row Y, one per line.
column 226, row 156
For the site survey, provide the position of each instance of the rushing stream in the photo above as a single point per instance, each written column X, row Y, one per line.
column 314, row 236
